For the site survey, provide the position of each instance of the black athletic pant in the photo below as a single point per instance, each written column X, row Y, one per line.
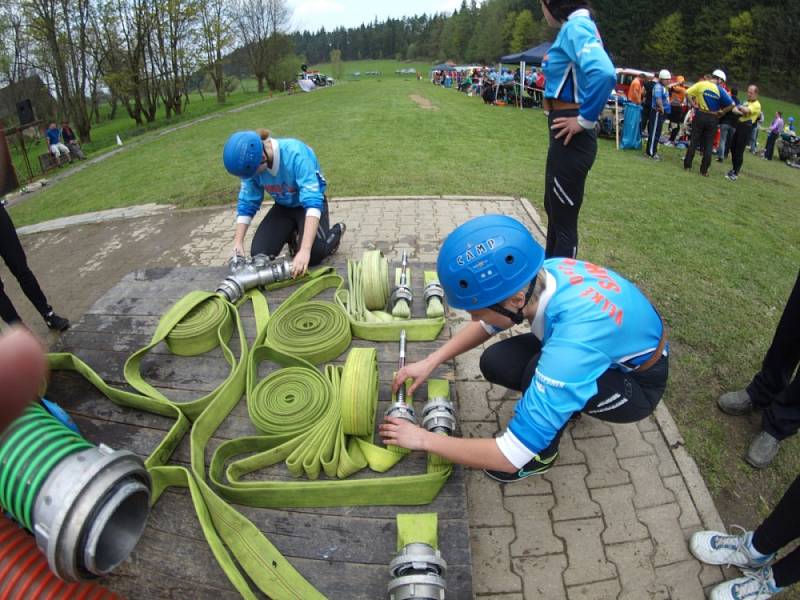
column 654, row 132
column 776, row 388
column 741, row 139
column 14, row 257
column 780, row 528
column 621, row 397
column 769, row 149
column 565, row 177
column 704, row 128
column 284, row 225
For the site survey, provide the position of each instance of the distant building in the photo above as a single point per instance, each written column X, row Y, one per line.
column 33, row 88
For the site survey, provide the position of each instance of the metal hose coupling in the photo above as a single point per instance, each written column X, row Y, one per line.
column 439, row 416
column 399, row 408
column 402, row 290
column 417, row 574
column 91, row 511
column 433, row 290
column 248, row 273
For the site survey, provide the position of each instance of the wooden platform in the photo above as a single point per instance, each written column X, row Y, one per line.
column 344, row 552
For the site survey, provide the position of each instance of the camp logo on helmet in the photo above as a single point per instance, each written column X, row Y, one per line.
column 476, row 251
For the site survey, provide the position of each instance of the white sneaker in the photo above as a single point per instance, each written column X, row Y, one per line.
column 718, row 548
column 755, row 585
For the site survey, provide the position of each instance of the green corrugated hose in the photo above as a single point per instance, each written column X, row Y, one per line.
column 30, row 448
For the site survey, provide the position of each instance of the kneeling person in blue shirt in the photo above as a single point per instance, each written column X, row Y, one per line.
column 596, row 346
column 288, row 170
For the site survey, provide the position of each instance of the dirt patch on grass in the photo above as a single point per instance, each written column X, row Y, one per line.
column 423, row 102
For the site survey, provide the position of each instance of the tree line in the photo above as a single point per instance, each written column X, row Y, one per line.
column 140, row 54
column 754, row 41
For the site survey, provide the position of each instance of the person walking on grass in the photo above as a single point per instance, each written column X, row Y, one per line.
column 578, row 79
column 748, row 115
column 711, row 102
column 287, row 170
column 14, row 256
column 775, row 390
column 754, row 552
column 596, row 346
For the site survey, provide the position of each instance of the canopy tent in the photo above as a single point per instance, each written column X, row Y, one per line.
column 443, row 67
column 531, row 56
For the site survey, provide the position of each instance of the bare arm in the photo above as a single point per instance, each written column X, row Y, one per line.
column 480, row 453
column 303, row 256
column 238, row 238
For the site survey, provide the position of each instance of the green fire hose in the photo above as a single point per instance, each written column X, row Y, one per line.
column 338, row 407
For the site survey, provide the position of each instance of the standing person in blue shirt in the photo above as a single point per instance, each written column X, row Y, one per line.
column 578, row 79
column 659, row 107
column 711, row 102
column 596, row 345
column 288, row 170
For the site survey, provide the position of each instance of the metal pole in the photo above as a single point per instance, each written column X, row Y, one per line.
column 616, row 118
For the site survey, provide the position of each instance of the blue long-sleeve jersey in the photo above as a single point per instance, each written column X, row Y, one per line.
column 589, row 319
column 294, row 180
column 577, row 68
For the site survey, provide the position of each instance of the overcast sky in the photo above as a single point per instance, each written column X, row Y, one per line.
column 313, row 14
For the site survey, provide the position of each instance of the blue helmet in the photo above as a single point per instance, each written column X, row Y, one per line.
column 243, row 153
column 487, row 260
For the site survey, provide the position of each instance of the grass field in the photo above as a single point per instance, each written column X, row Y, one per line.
column 104, row 134
column 717, row 258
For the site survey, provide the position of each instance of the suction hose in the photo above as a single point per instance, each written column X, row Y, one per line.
column 86, row 505
column 24, row 574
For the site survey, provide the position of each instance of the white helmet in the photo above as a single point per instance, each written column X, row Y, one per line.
column 720, row 74
column 664, row 74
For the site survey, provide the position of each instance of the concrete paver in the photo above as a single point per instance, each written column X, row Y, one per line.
column 610, row 520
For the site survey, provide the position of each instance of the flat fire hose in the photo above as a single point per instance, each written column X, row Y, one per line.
column 367, row 292
column 233, row 538
column 338, row 443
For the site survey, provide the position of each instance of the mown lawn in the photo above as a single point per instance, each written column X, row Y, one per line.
column 718, row 258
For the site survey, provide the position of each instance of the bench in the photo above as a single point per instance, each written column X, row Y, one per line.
column 49, row 161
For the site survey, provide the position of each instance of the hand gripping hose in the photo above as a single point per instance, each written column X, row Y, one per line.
column 338, row 442
column 86, row 505
column 368, row 278
column 418, row 570
column 24, row 573
column 238, row 545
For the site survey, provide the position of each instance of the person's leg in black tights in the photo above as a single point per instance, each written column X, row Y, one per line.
column 620, row 398
column 776, row 388
column 276, row 229
column 14, row 257
column 780, row 528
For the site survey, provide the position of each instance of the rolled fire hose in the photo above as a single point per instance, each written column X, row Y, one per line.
column 368, row 279
column 236, row 542
column 418, row 570
column 339, row 443
column 24, row 572
column 86, row 505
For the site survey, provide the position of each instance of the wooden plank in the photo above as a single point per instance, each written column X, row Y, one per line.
column 344, row 551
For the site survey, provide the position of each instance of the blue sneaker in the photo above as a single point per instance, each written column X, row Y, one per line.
column 755, row 585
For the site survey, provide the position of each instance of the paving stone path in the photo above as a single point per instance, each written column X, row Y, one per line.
column 610, row 521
